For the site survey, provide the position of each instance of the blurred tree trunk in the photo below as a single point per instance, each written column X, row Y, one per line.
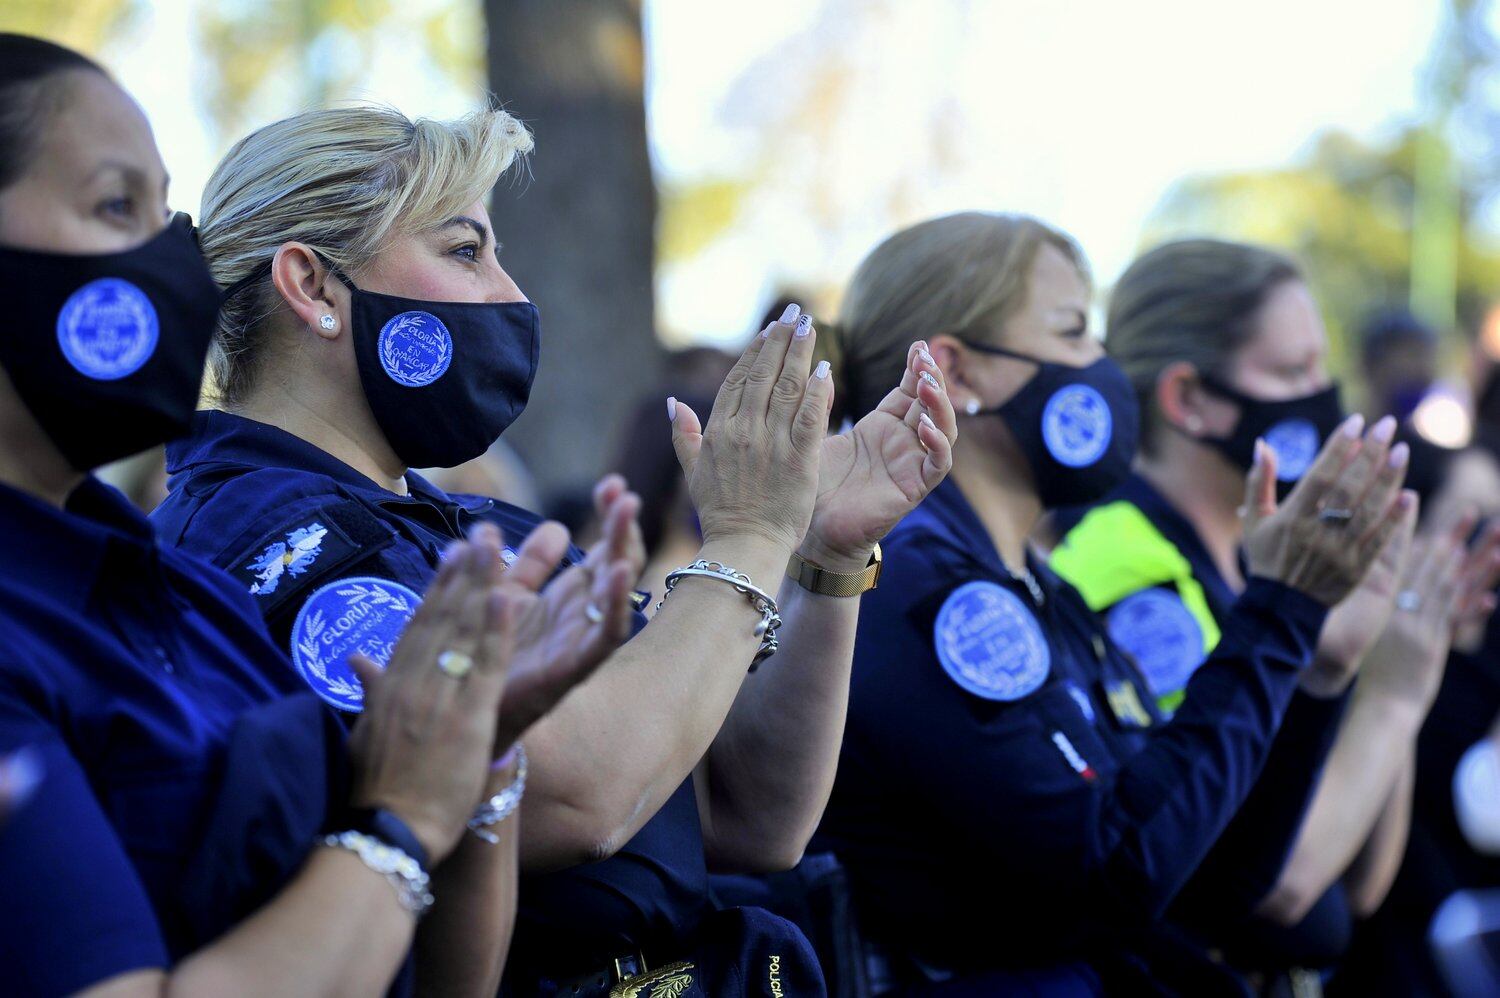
column 579, row 233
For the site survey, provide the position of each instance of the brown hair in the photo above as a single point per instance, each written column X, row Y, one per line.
column 1194, row 300
column 963, row 273
column 30, row 92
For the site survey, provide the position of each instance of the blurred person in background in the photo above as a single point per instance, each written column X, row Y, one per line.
column 182, row 818
column 1013, row 808
column 1399, row 361
column 1224, row 347
column 369, row 328
column 499, row 473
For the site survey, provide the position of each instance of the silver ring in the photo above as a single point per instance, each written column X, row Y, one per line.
column 1335, row 515
column 1409, row 600
column 593, row 613
column 455, row 664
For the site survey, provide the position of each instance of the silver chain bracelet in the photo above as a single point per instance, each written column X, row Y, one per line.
column 404, row 873
column 770, row 617
column 503, row 804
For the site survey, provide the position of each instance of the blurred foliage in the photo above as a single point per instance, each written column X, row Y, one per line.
column 1352, row 212
column 692, row 216
column 1346, row 213
column 314, row 51
column 81, row 24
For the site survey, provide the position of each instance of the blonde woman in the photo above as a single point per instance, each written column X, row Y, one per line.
column 369, row 328
column 1003, row 757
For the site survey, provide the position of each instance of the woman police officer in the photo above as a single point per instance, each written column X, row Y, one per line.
column 370, row 328
column 1001, row 754
column 160, row 850
column 1223, row 344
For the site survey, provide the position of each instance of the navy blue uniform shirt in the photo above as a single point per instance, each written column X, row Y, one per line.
column 1002, row 757
column 337, row 563
column 1219, row 903
column 126, row 666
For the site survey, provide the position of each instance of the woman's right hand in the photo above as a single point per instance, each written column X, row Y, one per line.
column 1336, row 521
column 423, row 746
column 754, row 470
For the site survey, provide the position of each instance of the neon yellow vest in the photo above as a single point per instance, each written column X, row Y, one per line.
column 1114, row 552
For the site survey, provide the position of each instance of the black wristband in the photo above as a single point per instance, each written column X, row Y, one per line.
column 378, row 823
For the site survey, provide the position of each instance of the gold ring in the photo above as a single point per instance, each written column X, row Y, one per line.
column 455, row 664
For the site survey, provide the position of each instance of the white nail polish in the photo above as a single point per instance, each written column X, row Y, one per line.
column 790, row 315
column 671, row 409
column 821, row 371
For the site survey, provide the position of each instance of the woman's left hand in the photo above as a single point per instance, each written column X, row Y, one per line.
column 878, row 471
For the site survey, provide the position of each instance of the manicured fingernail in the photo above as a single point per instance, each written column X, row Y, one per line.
column 1406, row 500
column 927, row 377
column 821, row 371
column 1260, row 450
column 790, row 315
column 804, row 326
column 1385, row 429
column 671, row 409
column 927, row 420
column 765, row 334
column 1399, row 454
column 20, row 775
column 1353, row 426
column 926, row 357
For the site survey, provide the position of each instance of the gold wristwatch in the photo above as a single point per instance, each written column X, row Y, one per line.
column 825, row 583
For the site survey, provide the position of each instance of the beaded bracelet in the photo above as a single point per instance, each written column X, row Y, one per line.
column 404, row 873
column 770, row 617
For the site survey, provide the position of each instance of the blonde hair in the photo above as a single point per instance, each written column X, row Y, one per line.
column 343, row 181
column 962, row 274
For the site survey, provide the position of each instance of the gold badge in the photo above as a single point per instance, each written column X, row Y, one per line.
column 668, row 982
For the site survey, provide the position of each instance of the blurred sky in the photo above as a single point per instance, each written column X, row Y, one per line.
column 846, row 118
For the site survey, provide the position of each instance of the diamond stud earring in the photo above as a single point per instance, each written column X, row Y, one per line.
column 327, row 322
column 971, row 407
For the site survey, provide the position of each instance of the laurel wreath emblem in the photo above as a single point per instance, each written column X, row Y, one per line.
column 355, row 596
column 394, row 363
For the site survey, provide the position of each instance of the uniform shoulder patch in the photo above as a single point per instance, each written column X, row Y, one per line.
column 284, row 560
column 990, row 643
column 1161, row 634
column 361, row 614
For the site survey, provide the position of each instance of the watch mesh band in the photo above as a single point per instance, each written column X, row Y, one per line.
column 826, row 583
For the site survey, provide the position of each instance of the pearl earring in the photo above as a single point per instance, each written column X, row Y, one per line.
column 327, row 322
column 972, row 407
column 1194, row 423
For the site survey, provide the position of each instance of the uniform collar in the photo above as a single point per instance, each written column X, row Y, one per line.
column 955, row 515
column 224, row 438
column 1176, row 528
column 62, row 551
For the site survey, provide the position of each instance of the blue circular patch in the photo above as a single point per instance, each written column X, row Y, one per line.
column 1161, row 634
column 415, row 349
column 990, row 643
column 1076, row 425
column 358, row 614
column 107, row 329
column 1296, row 444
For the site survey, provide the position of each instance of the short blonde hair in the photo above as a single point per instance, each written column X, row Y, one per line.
column 962, row 274
column 343, row 181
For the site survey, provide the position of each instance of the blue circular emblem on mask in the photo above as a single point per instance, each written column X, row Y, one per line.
column 1296, row 444
column 990, row 643
column 107, row 329
column 1161, row 634
column 360, row 614
column 1077, row 425
column 415, row 349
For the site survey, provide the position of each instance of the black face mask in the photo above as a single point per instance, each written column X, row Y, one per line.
column 444, row 379
column 1294, row 428
column 107, row 350
column 1077, row 426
